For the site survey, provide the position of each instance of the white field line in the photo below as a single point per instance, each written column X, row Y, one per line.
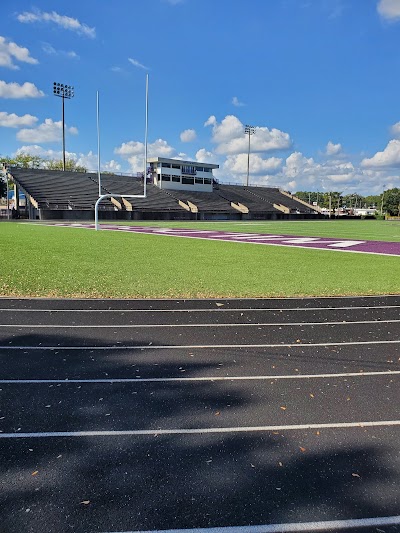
column 208, row 378
column 211, row 310
column 199, row 431
column 196, row 346
column 213, row 325
column 295, row 527
column 126, row 229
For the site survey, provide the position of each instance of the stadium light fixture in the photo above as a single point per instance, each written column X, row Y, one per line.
column 63, row 91
column 249, row 130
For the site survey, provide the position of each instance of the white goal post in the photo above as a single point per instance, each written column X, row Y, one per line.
column 104, row 196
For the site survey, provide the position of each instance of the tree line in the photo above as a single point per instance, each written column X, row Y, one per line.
column 390, row 199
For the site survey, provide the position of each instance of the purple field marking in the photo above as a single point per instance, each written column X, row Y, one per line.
column 319, row 243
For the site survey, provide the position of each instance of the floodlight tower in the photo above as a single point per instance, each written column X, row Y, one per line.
column 249, row 130
column 63, row 91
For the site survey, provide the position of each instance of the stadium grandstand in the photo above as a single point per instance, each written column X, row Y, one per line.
column 176, row 190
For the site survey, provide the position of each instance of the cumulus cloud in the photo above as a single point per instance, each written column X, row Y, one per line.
column 204, row 156
column 188, row 136
column 133, row 152
column 68, row 23
column 236, row 102
column 136, row 63
column 46, row 132
column 389, row 157
column 229, row 137
column 237, row 164
column 10, row 52
column 11, row 120
column 333, row 149
column 14, row 90
column 395, row 130
column 389, row 9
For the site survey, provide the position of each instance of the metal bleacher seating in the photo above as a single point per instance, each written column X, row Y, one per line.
column 239, row 194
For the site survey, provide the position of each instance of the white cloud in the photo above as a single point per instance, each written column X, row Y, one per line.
column 204, row 156
column 68, row 23
column 333, row 149
column 230, row 138
column 11, row 120
column 395, row 129
column 390, row 157
column 210, row 121
column 236, row 102
column 188, row 136
column 48, row 131
column 237, row 164
column 133, row 151
column 136, row 63
column 389, row 9
column 50, row 50
column 14, row 90
column 10, row 51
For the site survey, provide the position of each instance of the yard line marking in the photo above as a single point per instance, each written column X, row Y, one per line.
column 211, row 325
column 211, row 310
column 326, row 525
column 196, row 346
column 198, row 431
column 208, row 378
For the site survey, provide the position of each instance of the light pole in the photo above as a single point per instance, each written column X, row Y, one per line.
column 249, row 130
column 63, row 91
column 383, row 195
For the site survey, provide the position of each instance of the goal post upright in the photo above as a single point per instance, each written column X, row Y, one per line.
column 104, row 196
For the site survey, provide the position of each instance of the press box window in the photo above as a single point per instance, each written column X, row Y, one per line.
column 188, row 181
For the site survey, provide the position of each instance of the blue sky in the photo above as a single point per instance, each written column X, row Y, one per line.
column 319, row 78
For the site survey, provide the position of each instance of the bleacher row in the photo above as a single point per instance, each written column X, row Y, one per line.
column 56, row 190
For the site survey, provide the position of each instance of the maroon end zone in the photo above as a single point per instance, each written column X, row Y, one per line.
column 320, row 243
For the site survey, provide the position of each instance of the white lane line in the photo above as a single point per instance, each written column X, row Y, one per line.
column 197, row 346
column 211, row 310
column 212, row 325
column 199, row 431
column 326, row 525
column 204, row 378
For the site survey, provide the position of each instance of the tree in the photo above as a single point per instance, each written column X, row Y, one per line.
column 391, row 201
column 70, row 164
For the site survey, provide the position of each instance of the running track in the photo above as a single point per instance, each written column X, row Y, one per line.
column 239, row 416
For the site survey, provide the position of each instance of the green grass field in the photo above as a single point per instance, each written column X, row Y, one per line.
column 38, row 260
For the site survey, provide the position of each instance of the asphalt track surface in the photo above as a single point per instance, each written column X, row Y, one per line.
column 241, row 416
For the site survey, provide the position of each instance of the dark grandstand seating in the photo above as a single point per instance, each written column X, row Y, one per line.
column 78, row 191
column 275, row 196
column 57, row 189
column 239, row 194
column 210, row 202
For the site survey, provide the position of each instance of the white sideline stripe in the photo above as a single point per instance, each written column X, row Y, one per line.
column 197, row 431
column 211, row 310
column 207, row 378
column 328, row 525
column 197, row 346
column 212, row 325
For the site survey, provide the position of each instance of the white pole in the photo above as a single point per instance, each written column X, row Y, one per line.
column 145, row 135
column 98, row 142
